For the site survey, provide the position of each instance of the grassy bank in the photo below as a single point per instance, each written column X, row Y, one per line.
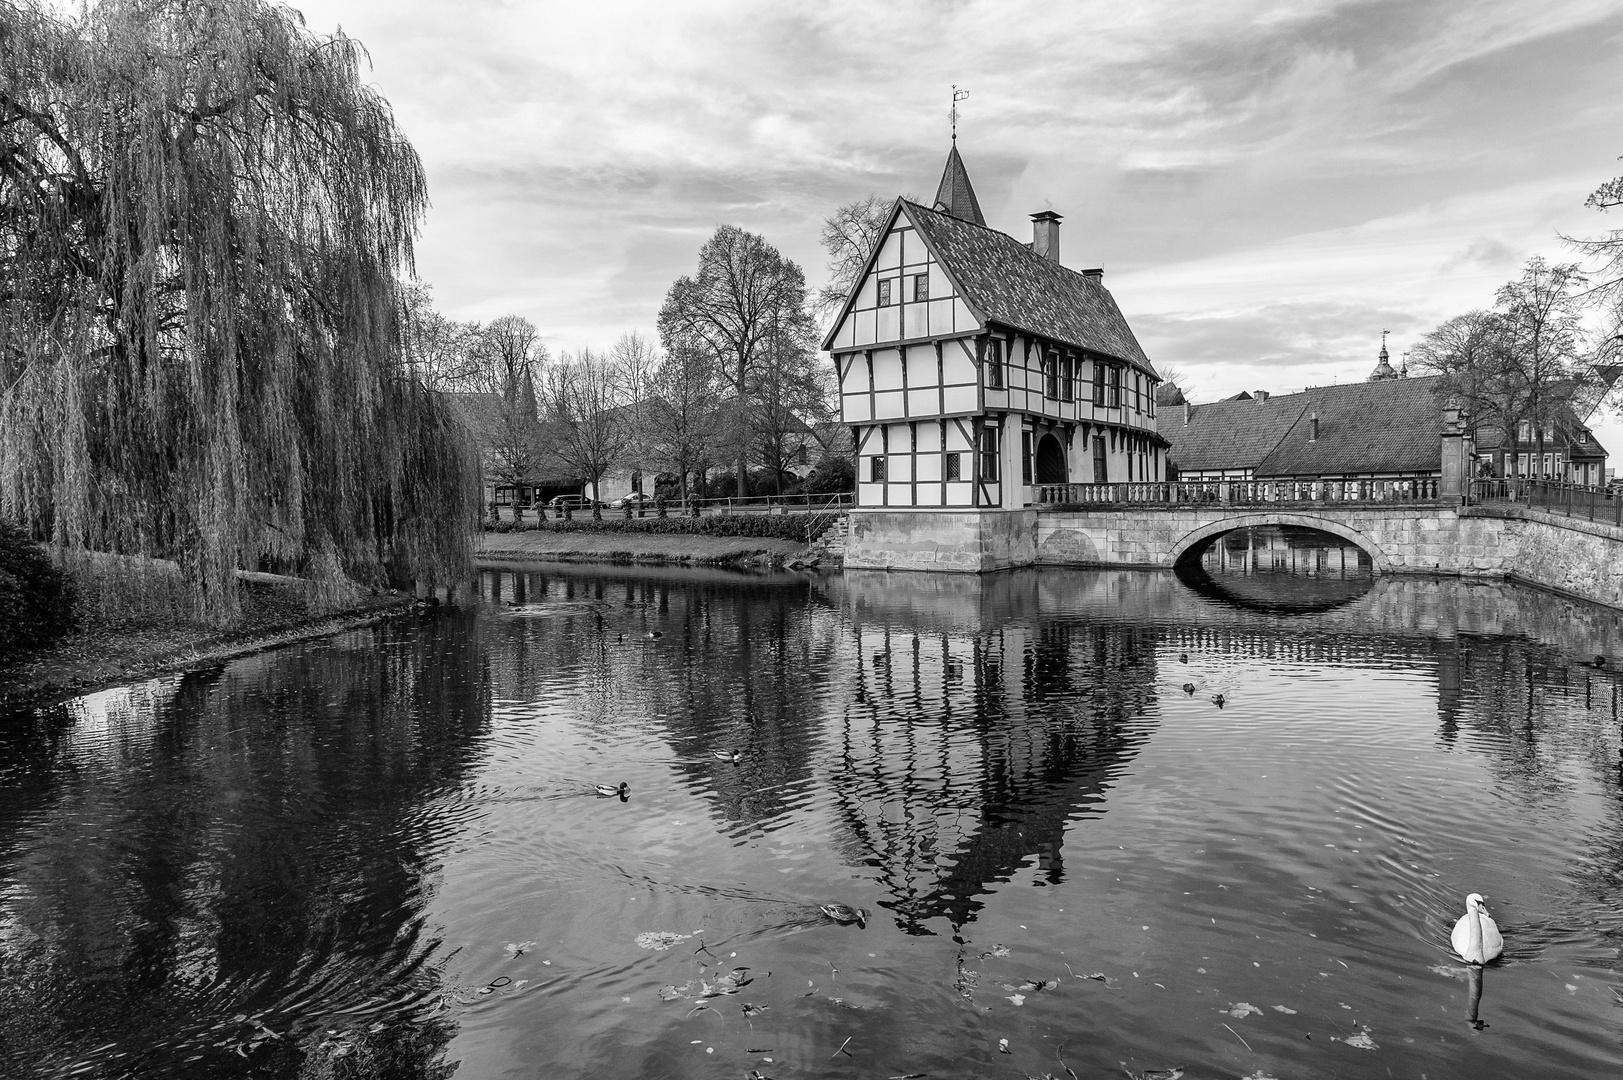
column 141, row 638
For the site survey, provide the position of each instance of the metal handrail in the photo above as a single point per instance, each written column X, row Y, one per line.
column 1552, row 496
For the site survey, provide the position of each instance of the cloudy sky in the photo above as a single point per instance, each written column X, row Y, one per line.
column 1267, row 185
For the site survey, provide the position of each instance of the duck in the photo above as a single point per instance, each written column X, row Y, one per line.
column 654, row 635
column 623, row 792
column 845, row 913
column 727, row 755
column 1218, row 700
column 1476, row 938
column 1183, row 658
column 1189, row 688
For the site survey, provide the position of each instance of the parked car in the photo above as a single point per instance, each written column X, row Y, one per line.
column 636, row 498
column 574, row 502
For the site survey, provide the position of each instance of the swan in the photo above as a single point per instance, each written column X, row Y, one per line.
column 1476, row 938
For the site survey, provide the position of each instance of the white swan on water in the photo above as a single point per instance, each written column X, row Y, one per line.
column 1476, row 938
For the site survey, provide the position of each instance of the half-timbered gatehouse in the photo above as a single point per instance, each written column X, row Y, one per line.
column 973, row 367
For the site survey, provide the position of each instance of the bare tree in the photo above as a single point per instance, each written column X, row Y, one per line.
column 634, row 359
column 744, row 294
column 582, row 407
column 1472, row 354
column 1545, row 340
column 682, row 428
column 849, row 236
column 443, row 353
column 789, row 392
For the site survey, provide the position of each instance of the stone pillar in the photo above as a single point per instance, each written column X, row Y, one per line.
column 1453, row 486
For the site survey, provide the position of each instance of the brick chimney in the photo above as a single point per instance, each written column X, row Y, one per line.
column 1259, row 395
column 1313, row 428
column 1045, row 234
column 1188, row 410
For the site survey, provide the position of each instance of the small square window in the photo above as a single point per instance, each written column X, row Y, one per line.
column 953, row 467
column 921, row 287
column 884, row 292
column 876, row 469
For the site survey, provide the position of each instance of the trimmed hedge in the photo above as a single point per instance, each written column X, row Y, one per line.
column 768, row 526
column 37, row 600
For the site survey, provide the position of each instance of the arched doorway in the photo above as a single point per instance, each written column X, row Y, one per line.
column 1051, row 461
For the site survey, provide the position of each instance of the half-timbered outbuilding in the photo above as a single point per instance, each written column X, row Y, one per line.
column 973, row 367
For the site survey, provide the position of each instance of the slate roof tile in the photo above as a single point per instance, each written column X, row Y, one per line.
column 1009, row 284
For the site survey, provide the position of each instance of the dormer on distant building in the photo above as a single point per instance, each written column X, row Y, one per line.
column 974, row 368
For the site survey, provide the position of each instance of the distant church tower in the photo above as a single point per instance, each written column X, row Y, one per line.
column 1383, row 369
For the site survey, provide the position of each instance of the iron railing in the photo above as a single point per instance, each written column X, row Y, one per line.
column 1552, row 497
column 1243, row 492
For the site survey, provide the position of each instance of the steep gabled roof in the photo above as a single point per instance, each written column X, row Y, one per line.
column 1004, row 281
column 955, row 195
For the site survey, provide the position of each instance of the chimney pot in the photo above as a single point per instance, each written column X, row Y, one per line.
column 1188, row 410
column 1313, row 428
column 1045, row 234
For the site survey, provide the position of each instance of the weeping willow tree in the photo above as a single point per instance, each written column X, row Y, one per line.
column 204, row 222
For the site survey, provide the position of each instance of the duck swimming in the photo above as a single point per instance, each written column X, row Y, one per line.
column 623, row 792
column 1218, row 700
column 1476, row 938
column 845, row 913
column 727, row 755
column 1189, row 688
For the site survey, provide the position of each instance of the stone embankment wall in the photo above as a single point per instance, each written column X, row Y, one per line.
column 1573, row 556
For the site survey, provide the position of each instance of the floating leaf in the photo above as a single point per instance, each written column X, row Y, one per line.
column 752, row 1011
column 1283, row 1009
column 1242, row 1009
column 995, row 950
column 660, row 940
column 1361, row 1041
column 672, row 992
column 1003, row 1046
column 1018, row 999
column 516, row 951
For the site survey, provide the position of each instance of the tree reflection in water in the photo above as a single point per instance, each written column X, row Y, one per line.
column 321, row 854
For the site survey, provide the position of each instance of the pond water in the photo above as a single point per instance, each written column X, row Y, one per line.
column 382, row 854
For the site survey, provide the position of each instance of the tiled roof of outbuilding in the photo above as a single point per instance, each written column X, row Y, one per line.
column 956, row 195
column 1007, row 283
column 1232, row 434
column 1390, row 426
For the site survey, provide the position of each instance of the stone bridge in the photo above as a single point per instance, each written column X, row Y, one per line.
column 1583, row 558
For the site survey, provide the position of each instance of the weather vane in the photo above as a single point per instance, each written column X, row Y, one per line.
column 957, row 96
column 1383, row 337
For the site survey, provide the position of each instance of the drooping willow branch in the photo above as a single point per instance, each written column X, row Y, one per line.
column 204, row 221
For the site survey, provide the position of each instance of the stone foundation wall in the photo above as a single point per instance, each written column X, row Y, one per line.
column 975, row 542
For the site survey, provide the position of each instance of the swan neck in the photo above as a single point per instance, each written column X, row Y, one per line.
column 1473, row 928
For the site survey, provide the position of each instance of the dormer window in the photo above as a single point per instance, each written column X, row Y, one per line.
column 921, row 287
column 884, row 292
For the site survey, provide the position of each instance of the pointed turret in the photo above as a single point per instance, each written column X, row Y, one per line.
column 956, row 196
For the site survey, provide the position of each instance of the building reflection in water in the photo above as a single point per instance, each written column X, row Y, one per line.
column 1281, row 569
column 975, row 732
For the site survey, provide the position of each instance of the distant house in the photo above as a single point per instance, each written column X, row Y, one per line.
column 1388, row 427
column 517, row 468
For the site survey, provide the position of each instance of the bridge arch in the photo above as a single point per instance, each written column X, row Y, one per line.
column 1195, row 541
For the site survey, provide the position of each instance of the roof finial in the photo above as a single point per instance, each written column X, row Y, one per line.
column 957, row 96
column 1383, row 341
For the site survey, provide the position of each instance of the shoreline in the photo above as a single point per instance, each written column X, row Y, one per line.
column 649, row 549
column 97, row 658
